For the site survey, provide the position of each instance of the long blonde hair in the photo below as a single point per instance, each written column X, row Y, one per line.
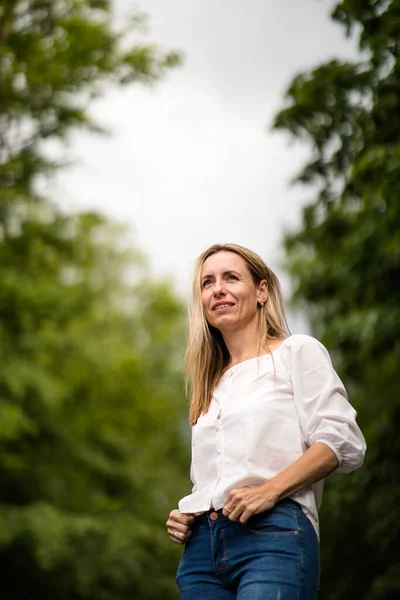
column 206, row 354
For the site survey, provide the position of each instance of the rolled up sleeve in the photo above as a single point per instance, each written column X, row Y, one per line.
column 322, row 405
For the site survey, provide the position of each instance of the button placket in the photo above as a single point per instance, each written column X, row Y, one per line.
column 219, row 431
column 219, row 428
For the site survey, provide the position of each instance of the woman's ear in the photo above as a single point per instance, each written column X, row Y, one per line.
column 262, row 291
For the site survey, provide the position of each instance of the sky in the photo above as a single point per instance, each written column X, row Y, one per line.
column 192, row 161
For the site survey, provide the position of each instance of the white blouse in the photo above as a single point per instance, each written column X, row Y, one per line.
column 264, row 414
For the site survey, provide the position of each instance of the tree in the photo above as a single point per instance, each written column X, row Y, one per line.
column 55, row 57
column 92, row 445
column 345, row 263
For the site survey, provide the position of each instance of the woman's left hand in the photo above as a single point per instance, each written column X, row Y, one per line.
column 242, row 503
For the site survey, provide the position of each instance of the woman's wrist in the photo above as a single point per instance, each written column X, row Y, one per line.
column 315, row 464
column 273, row 491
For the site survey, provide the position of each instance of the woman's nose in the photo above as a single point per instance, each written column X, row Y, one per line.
column 219, row 287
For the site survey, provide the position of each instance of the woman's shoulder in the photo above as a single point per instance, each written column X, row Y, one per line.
column 301, row 340
column 302, row 346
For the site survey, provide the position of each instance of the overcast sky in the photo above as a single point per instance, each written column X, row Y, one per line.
column 191, row 161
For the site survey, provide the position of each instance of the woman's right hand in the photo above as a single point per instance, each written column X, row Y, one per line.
column 179, row 526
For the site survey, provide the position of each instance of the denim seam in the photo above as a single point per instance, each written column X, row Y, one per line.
column 263, row 533
column 300, row 549
column 225, row 553
column 294, row 512
column 212, row 544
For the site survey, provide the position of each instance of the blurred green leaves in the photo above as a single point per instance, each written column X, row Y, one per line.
column 93, row 447
column 91, row 414
column 56, row 56
column 345, row 264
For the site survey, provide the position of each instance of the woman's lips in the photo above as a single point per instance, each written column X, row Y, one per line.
column 222, row 306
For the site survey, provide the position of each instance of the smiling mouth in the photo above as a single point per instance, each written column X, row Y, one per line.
column 223, row 306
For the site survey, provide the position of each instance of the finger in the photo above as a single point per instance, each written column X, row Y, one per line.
column 180, row 522
column 236, row 513
column 177, row 517
column 240, row 508
column 231, row 501
column 246, row 514
column 226, row 511
column 180, row 538
column 178, row 534
column 175, row 539
column 176, row 526
column 176, row 514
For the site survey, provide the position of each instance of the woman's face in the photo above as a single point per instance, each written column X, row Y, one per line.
column 228, row 292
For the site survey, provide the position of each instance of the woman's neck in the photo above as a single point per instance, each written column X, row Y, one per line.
column 242, row 344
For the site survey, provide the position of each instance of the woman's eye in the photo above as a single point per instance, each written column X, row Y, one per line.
column 206, row 282
column 231, row 276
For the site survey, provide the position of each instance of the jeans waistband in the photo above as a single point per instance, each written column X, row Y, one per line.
column 285, row 503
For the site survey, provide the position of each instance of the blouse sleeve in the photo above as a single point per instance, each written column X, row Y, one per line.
column 323, row 409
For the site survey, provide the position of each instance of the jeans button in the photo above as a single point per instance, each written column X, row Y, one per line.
column 213, row 516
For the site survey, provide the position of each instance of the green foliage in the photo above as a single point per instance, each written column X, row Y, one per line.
column 345, row 263
column 92, row 450
column 56, row 56
column 93, row 446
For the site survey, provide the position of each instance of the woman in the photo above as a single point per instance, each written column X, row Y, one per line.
column 270, row 420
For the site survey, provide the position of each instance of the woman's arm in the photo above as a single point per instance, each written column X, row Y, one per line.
column 315, row 464
column 323, row 410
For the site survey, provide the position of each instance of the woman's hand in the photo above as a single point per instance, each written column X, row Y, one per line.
column 179, row 526
column 315, row 464
column 242, row 503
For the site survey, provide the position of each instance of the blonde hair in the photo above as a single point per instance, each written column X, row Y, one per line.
column 206, row 354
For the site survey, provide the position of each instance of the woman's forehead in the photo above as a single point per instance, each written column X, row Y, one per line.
column 223, row 261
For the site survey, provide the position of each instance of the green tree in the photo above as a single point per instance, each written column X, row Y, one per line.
column 345, row 263
column 92, row 446
column 55, row 57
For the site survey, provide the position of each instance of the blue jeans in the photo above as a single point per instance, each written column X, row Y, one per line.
column 274, row 556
